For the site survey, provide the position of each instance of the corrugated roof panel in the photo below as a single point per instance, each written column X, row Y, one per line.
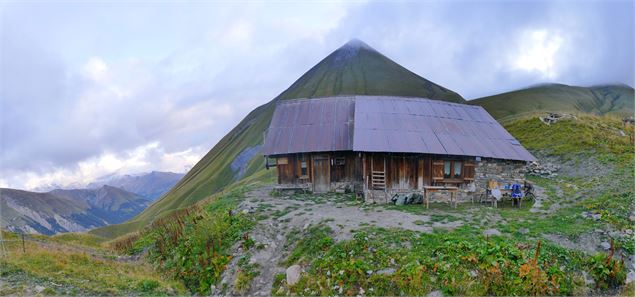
column 389, row 124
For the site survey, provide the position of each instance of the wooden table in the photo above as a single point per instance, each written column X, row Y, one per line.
column 452, row 190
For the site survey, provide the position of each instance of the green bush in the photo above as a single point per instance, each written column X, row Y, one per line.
column 606, row 271
column 192, row 245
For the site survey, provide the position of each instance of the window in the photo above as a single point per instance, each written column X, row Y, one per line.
column 303, row 170
column 452, row 169
column 447, row 166
column 457, row 169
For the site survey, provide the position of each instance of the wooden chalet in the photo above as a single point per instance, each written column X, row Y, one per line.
column 389, row 144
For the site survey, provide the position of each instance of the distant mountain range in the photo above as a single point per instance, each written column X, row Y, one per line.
column 109, row 200
column 149, row 185
column 67, row 210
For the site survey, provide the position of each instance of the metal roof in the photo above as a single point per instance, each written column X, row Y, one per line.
column 389, row 124
column 311, row 125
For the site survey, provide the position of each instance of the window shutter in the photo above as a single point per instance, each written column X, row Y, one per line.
column 468, row 170
column 437, row 170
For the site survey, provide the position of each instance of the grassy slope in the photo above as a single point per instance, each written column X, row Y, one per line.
column 75, row 264
column 368, row 72
column 610, row 99
column 464, row 262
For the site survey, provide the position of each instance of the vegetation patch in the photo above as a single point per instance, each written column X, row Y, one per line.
column 457, row 263
column 192, row 245
column 83, row 272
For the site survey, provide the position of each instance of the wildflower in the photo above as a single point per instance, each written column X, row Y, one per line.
column 341, row 272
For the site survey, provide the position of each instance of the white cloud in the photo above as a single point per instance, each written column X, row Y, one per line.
column 145, row 158
column 537, row 53
column 96, row 69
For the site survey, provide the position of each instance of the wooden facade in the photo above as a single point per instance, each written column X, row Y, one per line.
column 323, row 172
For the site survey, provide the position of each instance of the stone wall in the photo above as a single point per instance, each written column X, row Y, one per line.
column 503, row 171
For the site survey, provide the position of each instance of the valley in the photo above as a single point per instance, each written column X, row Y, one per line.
column 104, row 202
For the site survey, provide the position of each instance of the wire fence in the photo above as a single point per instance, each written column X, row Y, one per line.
column 21, row 244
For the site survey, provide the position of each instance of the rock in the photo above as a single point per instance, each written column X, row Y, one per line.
column 473, row 273
column 386, row 271
column 588, row 280
column 605, row 245
column 630, row 277
column 39, row 289
column 436, row 293
column 490, row 232
column 293, row 274
column 523, row 230
column 596, row 216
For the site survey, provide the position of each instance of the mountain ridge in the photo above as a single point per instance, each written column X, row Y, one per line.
column 64, row 210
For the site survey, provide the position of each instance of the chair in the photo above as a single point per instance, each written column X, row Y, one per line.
column 491, row 184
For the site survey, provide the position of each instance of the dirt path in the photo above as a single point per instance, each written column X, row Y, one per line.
column 284, row 215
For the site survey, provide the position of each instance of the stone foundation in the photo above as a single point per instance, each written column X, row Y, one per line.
column 503, row 171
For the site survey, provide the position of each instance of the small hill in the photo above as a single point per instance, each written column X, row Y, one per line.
column 598, row 100
column 149, row 185
column 354, row 68
column 67, row 210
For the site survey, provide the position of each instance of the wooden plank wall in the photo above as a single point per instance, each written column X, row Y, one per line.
column 403, row 171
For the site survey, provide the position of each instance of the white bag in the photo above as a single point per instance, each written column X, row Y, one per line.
column 497, row 194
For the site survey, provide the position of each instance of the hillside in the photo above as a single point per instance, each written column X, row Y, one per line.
column 599, row 100
column 67, row 210
column 354, row 68
column 149, row 185
column 575, row 238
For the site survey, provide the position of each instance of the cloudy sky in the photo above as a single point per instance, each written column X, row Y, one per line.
column 89, row 89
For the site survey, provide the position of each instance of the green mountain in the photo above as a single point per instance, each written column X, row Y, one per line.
column 357, row 68
column 599, row 100
column 67, row 210
column 354, row 68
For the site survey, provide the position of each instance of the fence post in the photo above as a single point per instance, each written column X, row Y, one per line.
column 23, row 248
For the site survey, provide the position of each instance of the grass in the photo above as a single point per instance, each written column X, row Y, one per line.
column 508, row 106
column 457, row 263
column 83, row 239
column 588, row 135
column 79, row 270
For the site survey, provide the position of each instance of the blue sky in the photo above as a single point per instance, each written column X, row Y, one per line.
column 94, row 88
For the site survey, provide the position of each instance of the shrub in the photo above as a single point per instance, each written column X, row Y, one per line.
column 606, row 271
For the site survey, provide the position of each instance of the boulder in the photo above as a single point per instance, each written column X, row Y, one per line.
column 386, row 271
column 490, row 232
column 605, row 245
column 436, row 293
column 293, row 274
column 630, row 277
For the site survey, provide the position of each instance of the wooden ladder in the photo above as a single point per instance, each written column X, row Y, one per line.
column 378, row 180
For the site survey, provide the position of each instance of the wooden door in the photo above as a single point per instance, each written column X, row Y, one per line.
column 321, row 173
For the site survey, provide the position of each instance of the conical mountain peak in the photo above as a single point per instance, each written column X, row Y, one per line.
column 356, row 68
